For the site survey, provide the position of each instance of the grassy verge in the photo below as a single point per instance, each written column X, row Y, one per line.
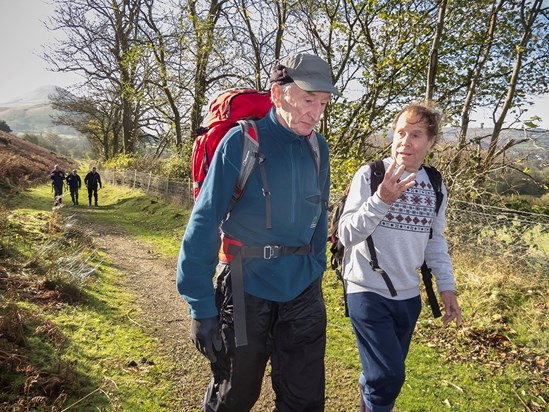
column 494, row 362
column 145, row 217
column 68, row 338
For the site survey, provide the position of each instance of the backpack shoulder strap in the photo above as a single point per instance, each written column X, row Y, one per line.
column 251, row 156
column 436, row 181
column 377, row 168
column 377, row 173
column 250, row 149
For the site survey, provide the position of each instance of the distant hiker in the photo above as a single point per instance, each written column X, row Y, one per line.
column 267, row 300
column 382, row 283
column 93, row 183
column 74, row 182
column 57, row 177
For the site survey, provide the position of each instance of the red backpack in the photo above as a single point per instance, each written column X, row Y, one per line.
column 224, row 112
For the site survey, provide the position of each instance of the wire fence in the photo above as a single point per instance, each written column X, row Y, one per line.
column 499, row 232
column 487, row 229
column 173, row 190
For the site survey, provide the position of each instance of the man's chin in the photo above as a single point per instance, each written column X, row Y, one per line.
column 302, row 132
column 400, row 161
column 408, row 165
column 304, row 129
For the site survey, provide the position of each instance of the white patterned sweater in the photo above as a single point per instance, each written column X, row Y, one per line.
column 400, row 233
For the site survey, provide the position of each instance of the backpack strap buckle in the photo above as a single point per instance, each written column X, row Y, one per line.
column 271, row 252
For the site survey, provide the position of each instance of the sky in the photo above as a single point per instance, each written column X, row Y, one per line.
column 22, row 34
column 21, row 37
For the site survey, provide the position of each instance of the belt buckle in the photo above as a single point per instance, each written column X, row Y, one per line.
column 270, row 252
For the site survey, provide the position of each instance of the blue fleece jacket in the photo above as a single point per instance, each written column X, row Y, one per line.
column 298, row 196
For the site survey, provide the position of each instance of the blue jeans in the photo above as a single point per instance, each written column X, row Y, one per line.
column 383, row 329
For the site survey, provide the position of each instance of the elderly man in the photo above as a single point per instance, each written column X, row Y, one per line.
column 400, row 219
column 279, row 268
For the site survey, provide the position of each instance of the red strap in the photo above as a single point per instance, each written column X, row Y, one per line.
column 228, row 245
column 251, row 132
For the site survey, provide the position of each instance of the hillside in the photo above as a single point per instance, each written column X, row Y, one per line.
column 32, row 113
column 90, row 315
column 23, row 162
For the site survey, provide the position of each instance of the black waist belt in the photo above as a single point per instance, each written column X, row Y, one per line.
column 273, row 252
column 237, row 280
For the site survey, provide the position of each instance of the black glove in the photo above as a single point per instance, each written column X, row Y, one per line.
column 206, row 337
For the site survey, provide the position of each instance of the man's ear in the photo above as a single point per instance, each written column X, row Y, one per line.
column 276, row 94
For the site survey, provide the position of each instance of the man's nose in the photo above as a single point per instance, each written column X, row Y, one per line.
column 317, row 111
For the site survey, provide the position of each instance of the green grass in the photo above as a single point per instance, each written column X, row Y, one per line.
column 484, row 366
column 434, row 383
column 99, row 337
column 159, row 223
column 103, row 341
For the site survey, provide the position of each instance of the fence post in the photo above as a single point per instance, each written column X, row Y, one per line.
column 134, row 177
column 167, row 184
column 149, row 182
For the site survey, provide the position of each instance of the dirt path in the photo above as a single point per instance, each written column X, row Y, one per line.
column 165, row 316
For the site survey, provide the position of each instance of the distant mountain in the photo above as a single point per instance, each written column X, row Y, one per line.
column 451, row 134
column 37, row 96
column 32, row 113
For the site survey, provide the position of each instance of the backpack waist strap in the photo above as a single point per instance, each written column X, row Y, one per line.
column 231, row 247
column 274, row 251
column 232, row 252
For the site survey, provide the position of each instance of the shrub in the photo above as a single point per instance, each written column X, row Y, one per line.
column 177, row 166
column 4, row 126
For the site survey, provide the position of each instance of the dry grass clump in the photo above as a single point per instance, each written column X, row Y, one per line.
column 50, row 332
column 55, row 221
column 73, row 232
column 66, row 258
column 42, row 390
column 11, row 324
column 4, row 213
column 504, row 296
column 60, row 289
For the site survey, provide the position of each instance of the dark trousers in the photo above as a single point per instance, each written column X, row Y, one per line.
column 291, row 334
column 383, row 329
column 58, row 191
column 74, row 196
column 92, row 191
